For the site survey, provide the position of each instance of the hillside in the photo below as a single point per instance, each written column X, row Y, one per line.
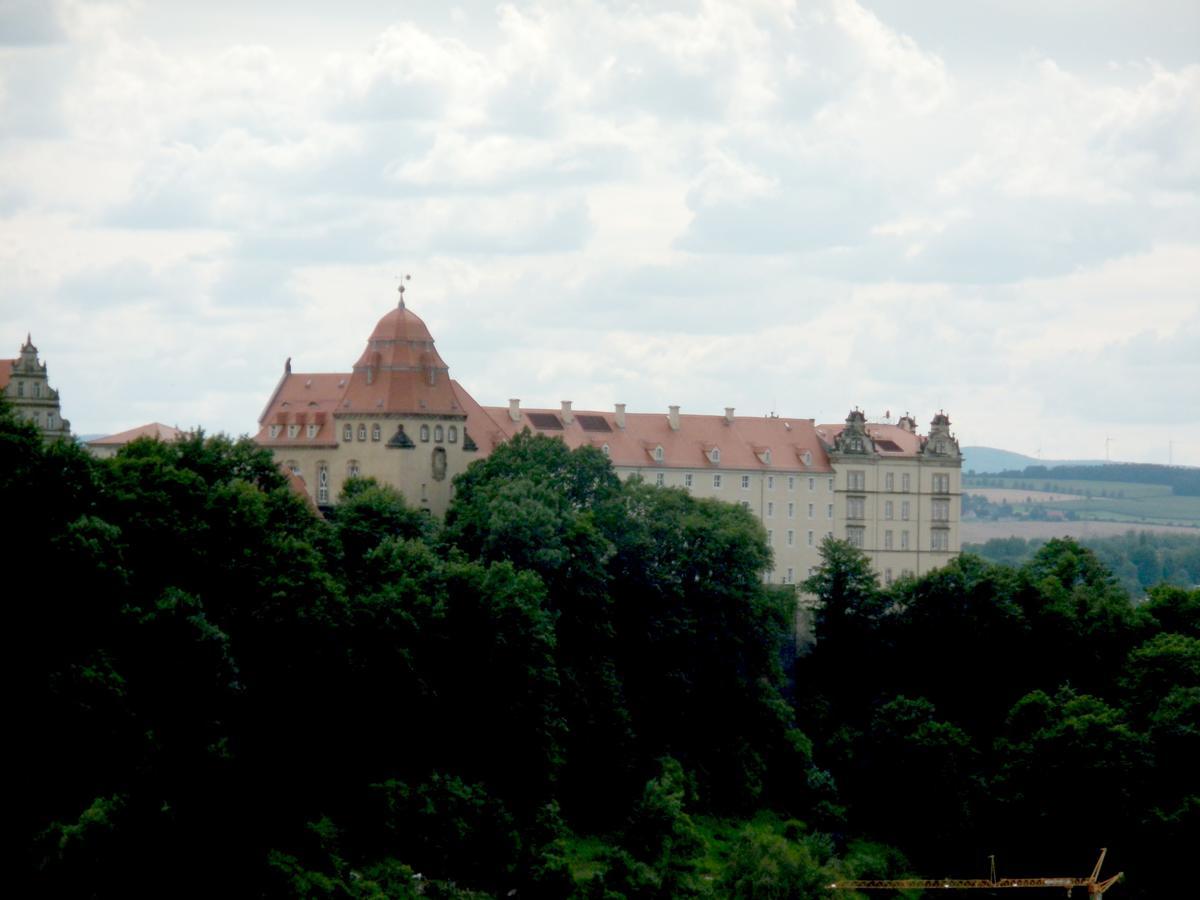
column 987, row 460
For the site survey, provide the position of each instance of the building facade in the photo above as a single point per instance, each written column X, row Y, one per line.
column 400, row 418
column 25, row 384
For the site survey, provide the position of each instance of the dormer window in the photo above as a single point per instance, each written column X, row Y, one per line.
column 767, row 457
column 312, row 430
column 807, row 457
column 293, row 430
column 715, row 454
column 274, row 431
column 658, row 454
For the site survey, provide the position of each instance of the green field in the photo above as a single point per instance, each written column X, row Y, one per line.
column 1105, row 501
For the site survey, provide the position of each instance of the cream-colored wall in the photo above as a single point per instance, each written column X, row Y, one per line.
column 920, row 557
column 410, row 470
column 800, row 557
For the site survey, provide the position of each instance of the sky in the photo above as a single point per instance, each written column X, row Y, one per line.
column 988, row 208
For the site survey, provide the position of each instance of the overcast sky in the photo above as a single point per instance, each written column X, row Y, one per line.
column 991, row 208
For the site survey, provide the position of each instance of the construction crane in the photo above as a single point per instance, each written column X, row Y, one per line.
column 1095, row 887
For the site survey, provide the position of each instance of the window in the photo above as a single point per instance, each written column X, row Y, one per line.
column 274, row 431
column 312, row 430
column 887, row 539
column 810, row 538
column 439, row 434
column 791, row 482
column 791, row 575
column 856, row 507
column 791, row 510
column 292, row 466
column 770, row 482
column 939, row 539
column 941, row 510
column 904, row 539
column 425, row 492
column 37, row 389
column 767, row 457
column 829, row 511
column 606, row 450
column 362, row 431
column 812, row 484
column 322, row 482
column 791, row 538
column 830, row 484
column 715, row 456
column 905, row 482
column 745, row 504
column 716, row 481
column 376, row 432
column 889, row 481
column 293, row 430
column 20, row 389
column 941, row 483
column 347, row 432
column 452, row 434
column 808, row 457
column 905, row 509
column 854, row 535
column 658, row 454
column 770, row 537
column 888, row 510
column 770, row 509
column 49, row 420
column 659, row 479
column 687, row 478
column 811, row 507
column 352, row 468
column 856, row 480
column 424, row 434
column 745, row 482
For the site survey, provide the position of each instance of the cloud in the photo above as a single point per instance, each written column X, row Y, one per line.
column 26, row 23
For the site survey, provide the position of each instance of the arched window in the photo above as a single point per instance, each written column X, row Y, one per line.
column 375, row 432
column 424, row 434
column 715, row 456
column 807, row 458
column 322, row 483
column 347, row 432
column 658, row 454
column 452, row 434
column 352, row 468
column 438, row 435
column 362, row 431
column 605, row 450
column 439, row 463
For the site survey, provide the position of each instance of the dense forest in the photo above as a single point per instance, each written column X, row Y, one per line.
column 571, row 687
column 1140, row 560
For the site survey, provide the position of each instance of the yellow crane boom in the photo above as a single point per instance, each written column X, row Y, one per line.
column 1095, row 887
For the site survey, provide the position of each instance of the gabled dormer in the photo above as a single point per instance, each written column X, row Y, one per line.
column 853, row 439
column 941, row 443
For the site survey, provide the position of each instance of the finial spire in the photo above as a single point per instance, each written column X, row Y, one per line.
column 400, row 290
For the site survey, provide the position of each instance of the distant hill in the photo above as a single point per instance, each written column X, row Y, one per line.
column 989, row 460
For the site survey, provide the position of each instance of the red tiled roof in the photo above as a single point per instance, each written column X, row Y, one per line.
column 908, row 443
column 155, row 430
column 303, row 399
column 743, row 444
column 6, row 369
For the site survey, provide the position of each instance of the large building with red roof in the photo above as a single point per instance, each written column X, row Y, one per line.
column 398, row 416
column 25, row 384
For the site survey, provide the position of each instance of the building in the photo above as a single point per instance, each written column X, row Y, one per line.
column 105, row 447
column 24, row 384
column 399, row 417
column 396, row 416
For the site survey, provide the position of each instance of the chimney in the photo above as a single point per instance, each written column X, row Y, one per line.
column 514, row 410
column 729, row 415
column 620, row 415
column 567, row 416
column 673, row 417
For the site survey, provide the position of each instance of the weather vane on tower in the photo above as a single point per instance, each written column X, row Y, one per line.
column 401, row 289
